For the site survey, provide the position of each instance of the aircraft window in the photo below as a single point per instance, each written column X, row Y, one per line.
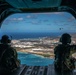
column 34, row 35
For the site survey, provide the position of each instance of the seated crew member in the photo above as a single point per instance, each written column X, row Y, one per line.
column 8, row 55
column 63, row 54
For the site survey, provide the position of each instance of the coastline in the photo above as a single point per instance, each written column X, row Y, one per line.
column 41, row 55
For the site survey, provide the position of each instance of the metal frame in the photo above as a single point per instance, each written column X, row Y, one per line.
column 6, row 9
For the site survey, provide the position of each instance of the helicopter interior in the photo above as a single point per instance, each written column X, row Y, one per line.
column 10, row 8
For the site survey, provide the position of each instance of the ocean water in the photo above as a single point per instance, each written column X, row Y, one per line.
column 34, row 60
column 33, row 35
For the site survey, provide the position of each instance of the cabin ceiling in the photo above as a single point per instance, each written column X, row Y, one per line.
column 34, row 3
column 8, row 7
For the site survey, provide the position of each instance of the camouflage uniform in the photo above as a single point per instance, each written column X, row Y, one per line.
column 9, row 60
column 63, row 57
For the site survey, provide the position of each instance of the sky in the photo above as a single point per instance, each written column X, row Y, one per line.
column 39, row 22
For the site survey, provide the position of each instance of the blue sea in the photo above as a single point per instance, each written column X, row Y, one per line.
column 24, row 35
column 34, row 60
column 33, row 35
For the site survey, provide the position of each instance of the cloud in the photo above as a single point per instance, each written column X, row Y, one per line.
column 28, row 16
column 58, row 13
column 36, row 22
column 16, row 19
column 20, row 19
column 31, row 16
column 71, row 19
column 13, row 20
